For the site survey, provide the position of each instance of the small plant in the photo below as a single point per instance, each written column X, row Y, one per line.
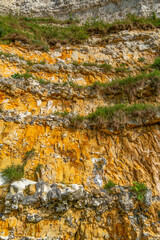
column 26, row 75
column 154, row 16
column 105, row 66
column 46, row 48
column 156, row 63
column 29, row 154
column 38, row 169
column 16, row 75
column 42, row 62
column 62, row 114
column 139, row 189
column 76, row 63
column 13, row 172
column 121, row 69
column 30, row 63
column 42, row 81
column 141, row 59
column 159, row 214
column 109, row 185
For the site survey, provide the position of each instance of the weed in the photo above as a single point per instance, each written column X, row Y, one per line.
column 62, row 114
column 43, row 82
column 25, row 75
column 38, row 169
column 159, row 214
column 105, row 66
column 117, row 116
column 6, row 54
column 29, row 154
column 109, row 185
column 139, row 189
column 75, row 63
column 30, row 63
column 121, row 69
column 13, row 172
column 42, row 62
column 141, row 59
column 156, row 64
column 154, row 16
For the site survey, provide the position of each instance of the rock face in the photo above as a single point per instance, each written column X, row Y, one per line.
column 104, row 9
column 80, row 214
column 66, row 163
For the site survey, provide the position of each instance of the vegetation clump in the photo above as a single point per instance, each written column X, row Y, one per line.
column 156, row 63
column 110, row 184
column 38, row 169
column 117, row 117
column 25, row 75
column 13, row 172
column 41, row 33
column 29, row 154
column 139, row 189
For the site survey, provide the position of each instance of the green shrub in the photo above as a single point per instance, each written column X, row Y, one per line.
column 25, row 75
column 109, row 185
column 156, row 63
column 139, row 189
column 13, row 172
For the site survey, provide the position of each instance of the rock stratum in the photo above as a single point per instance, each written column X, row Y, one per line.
column 70, row 151
column 107, row 10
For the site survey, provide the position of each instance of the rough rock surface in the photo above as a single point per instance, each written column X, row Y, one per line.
column 105, row 9
column 62, row 194
column 99, row 214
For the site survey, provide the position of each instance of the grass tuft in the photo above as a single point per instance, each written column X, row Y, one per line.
column 139, row 189
column 41, row 33
column 156, row 64
column 25, row 75
column 13, row 172
column 109, row 185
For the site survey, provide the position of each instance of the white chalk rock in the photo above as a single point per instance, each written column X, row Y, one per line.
column 19, row 186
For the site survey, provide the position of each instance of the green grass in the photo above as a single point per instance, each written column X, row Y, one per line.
column 117, row 116
column 156, row 64
column 139, row 189
column 43, row 82
column 109, row 185
column 29, row 154
column 41, row 33
column 25, row 75
column 6, row 54
column 122, row 70
column 62, row 114
column 110, row 112
column 128, row 80
column 13, row 172
column 141, row 59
